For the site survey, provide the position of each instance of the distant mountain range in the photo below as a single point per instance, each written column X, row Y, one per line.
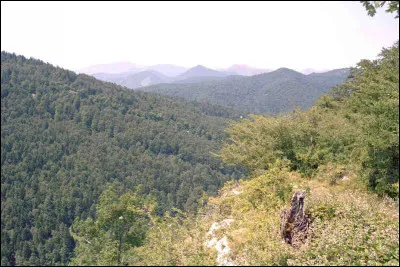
column 271, row 92
column 130, row 68
column 167, row 69
column 127, row 74
column 268, row 92
column 174, row 70
column 274, row 92
column 135, row 79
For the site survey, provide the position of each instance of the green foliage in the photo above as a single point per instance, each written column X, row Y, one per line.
column 122, row 223
column 374, row 108
column 64, row 137
column 174, row 241
column 350, row 228
column 308, row 139
column 180, row 239
column 356, row 126
column 371, row 6
column 265, row 192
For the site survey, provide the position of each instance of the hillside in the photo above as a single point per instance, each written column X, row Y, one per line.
column 241, row 227
column 66, row 137
column 274, row 92
column 199, row 79
column 95, row 174
column 323, row 190
column 330, row 78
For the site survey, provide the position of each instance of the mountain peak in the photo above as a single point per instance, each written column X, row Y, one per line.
column 200, row 67
column 284, row 70
column 200, row 70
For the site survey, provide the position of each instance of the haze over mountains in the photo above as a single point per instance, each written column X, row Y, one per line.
column 111, row 68
column 245, row 70
column 128, row 67
column 311, row 70
column 239, row 86
column 175, row 70
column 271, row 92
column 136, row 78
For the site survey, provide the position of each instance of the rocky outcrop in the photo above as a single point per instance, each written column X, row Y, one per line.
column 221, row 245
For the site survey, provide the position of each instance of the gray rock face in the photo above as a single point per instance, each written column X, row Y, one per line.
column 221, row 245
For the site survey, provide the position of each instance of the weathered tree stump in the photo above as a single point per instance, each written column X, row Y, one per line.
column 294, row 223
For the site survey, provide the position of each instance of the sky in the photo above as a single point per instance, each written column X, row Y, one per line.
column 297, row 35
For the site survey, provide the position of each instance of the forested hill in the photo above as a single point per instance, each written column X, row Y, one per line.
column 324, row 188
column 273, row 92
column 66, row 137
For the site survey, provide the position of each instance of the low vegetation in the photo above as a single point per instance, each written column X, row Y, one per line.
column 332, row 152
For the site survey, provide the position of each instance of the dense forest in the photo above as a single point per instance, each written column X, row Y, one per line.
column 65, row 137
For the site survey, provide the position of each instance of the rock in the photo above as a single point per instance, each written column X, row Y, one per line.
column 345, row 178
column 235, row 192
column 294, row 223
column 221, row 245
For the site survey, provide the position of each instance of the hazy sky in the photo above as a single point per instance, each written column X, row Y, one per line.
column 298, row 35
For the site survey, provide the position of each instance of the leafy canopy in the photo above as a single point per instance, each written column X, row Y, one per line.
column 122, row 223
